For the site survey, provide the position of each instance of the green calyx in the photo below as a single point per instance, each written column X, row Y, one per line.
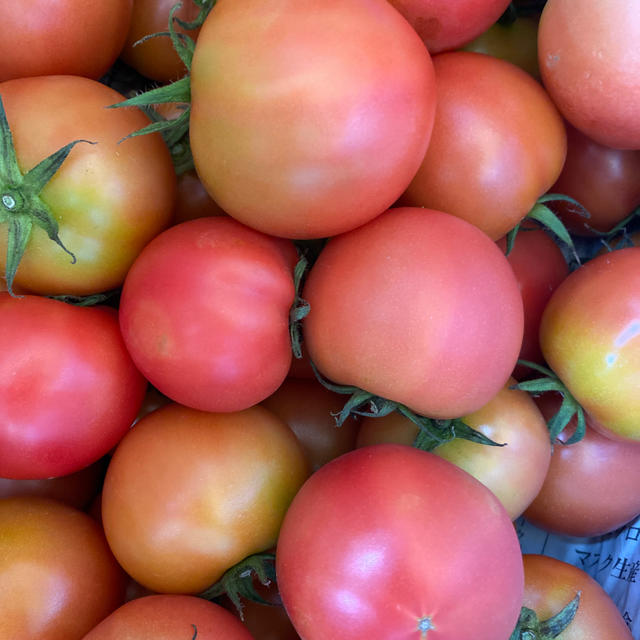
column 529, row 627
column 20, row 204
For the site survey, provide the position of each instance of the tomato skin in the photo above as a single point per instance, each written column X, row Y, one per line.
column 75, row 37
column 574, row 499
column 58, row 576
column 551, row 584
column 192, row 200
column 233, row 349
column 589, row 69
column 279, row 151
column 514, row 473
column 93, row 193
column 406, row 307
column 590, row 336
column 168, row 617
column 421, row 529
column 68, row 388
column 498, row 143
column 188, row 494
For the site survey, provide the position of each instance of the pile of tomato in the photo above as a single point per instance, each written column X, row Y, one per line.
column 304, row 304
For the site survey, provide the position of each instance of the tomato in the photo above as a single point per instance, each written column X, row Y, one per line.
column 406, row 307
column 156, row 58
column 420, row 529
column 68, row 388
column 204, row 313
column 590, row 337
column 108, row 199
column 498, row 143
column 309, row 409
column 550, row 584
column 169, row 617
column 575, row 500
column 603, row 180
column 308, row 120
column 539, row 266
column 514, row 472
column 58, row 576
column 75, row 37
column 192, row 200
column 188, row 494
column 591, row 69
column 445, row 25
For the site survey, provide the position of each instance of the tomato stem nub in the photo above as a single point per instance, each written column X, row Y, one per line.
column 529, row 627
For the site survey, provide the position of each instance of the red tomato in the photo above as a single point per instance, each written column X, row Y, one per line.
column 308, row 119
column 204, row 312
column 550, row 584
column 575, row 500
column 188, row 494
column 514, row 473
column 192, row 200
column 170, row 617
column 393, row 542
column 591, row 68
column 68, row 388
column 309, row 409
column 498, row 143
column 603, row 180
column 156, row 58
column 539, row 266
column 58, row 576
column 444, row 25
column 75, row 37
column 590, row 336
column 407, row 308
column 109, row 199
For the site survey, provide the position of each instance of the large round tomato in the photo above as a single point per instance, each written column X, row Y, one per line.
column 188, row 494
column 108, row 199
column 550, row 584
column 57, row 576
column 590, row 336
column 75, row 37
column 204, row 312
column 392, row 542
column 498, row 143
column 308, row 119
column 68, row 388
column 170, row 617
column 407, row 307
column 591, row 67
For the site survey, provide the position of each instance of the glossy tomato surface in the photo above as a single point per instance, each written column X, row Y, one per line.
column 58, row 577
column 109, row 198
column 590, row 336
column 498, row 143
column 407, row 307
column 308, row 120
column 188, row 494
column 204, row 313
column 424, row 532
column 551, row 584
column 68, row 387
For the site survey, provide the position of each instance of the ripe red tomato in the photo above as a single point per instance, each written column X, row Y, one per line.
column 308, row 119
column 204, row 312
column 58, row 577
column 68, row 388
column 498, row 143
column 590, row 336
column 75, row 37
column 170, row 617
column 574, row 500
column 591, row 69
column 109, row 199
column 188, row 494
column 550, row 584
column 407, row 307
column 392, row 542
